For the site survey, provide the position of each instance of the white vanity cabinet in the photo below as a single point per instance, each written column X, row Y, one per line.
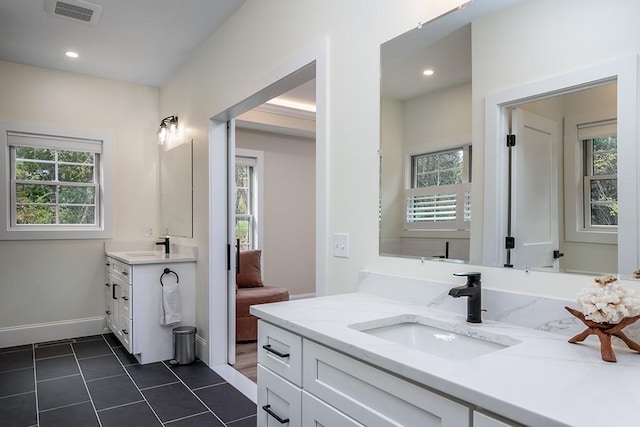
column 339, row 390
column 133, row 295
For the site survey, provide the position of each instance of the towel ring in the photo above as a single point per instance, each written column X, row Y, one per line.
column 169, row 271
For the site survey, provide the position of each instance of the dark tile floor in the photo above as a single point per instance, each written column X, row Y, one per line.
column 93, row 381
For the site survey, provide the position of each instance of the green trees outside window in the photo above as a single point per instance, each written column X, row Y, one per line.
column 54, row 186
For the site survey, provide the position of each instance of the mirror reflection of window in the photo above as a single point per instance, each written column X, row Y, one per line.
column 601, row 183
column 440, row 193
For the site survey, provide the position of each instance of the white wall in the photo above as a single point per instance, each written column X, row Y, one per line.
column 259, row 37
column 288, row 251
column 62, row 280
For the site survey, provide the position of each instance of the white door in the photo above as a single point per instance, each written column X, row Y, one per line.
column 231, row 239
column 534, row 214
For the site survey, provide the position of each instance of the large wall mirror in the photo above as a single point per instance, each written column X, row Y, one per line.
column 176, row 190
column 448, row 194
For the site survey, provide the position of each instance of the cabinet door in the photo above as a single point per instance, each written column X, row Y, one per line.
column 279, row 401
column 316, row 413
column 373, row 397
column 484, row 420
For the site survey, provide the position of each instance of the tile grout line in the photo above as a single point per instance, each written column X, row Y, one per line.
column 35, row 384
column 84, row 381
column 244, row 418
column 65, row 406
column 58, row 378
column 134, row 383
column 187, row 417
column 104, row 378
column 159, row 385
column 122, row 405
column 193, row 393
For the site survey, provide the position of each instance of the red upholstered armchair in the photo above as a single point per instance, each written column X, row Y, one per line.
column 250, row 290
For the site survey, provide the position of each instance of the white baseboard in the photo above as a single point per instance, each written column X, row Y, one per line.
column 51, row 331
column 202, row 349
column 302, row 296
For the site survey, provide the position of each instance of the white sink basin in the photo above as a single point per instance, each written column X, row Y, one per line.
column 452, row 341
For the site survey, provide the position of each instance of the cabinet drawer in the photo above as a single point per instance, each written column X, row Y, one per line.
column 280, row 351
column 279, row 401
column 316, row 413
column 373, row 397
column 121, row 271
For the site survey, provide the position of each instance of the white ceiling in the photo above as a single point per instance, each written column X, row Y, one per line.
column 137, row 41
column 449, row 58
column 443, row 44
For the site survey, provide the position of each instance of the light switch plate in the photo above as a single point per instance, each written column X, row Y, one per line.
column 148, row 231
column 341, row 245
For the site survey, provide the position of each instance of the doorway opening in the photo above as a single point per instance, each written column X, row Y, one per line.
column 274, row 210
column 308, row 65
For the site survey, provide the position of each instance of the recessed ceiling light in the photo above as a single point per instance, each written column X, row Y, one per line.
column 428, row 72
column 71, row 54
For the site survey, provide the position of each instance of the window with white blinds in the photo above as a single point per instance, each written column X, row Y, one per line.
column 440, row 193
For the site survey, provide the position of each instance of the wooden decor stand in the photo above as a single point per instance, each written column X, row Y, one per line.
column 605, row 331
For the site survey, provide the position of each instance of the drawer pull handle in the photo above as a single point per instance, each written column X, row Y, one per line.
column 108, row 312
column 113, row 291
column 125, row 298
column 107, row 264
column 107, row 284
column 276, row 352
column 125, row 273
column 267, row 409
column 124, row 331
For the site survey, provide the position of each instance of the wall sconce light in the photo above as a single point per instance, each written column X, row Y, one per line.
column 168, row 129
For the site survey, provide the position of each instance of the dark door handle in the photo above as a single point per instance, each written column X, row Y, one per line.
column 113, row 291
column 276, row 352
column 267, row 409
column 557, row 254
column 237, row 256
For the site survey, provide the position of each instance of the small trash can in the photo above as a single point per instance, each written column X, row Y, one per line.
column 184, row 345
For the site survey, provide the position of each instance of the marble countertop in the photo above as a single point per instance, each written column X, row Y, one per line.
column 150, row 257
column 541, row 381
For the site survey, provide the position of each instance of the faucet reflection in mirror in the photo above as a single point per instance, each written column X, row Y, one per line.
column 169, row 130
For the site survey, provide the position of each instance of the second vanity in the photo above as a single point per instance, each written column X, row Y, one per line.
column 323, row 361
column 133, row 300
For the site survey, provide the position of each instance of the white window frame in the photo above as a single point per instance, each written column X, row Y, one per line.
column 100, row 143
column 576, row 129
column 440, row 229
column 255, row 158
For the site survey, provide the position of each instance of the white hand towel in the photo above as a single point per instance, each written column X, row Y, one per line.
column 170, row 304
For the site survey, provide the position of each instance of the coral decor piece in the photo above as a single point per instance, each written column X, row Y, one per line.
column 607, row 301
column 607, row 308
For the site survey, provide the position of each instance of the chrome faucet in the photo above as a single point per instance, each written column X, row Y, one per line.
column 472, row 291
column 165, row 243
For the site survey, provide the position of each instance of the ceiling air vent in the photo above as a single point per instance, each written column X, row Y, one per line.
column 77, row 10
